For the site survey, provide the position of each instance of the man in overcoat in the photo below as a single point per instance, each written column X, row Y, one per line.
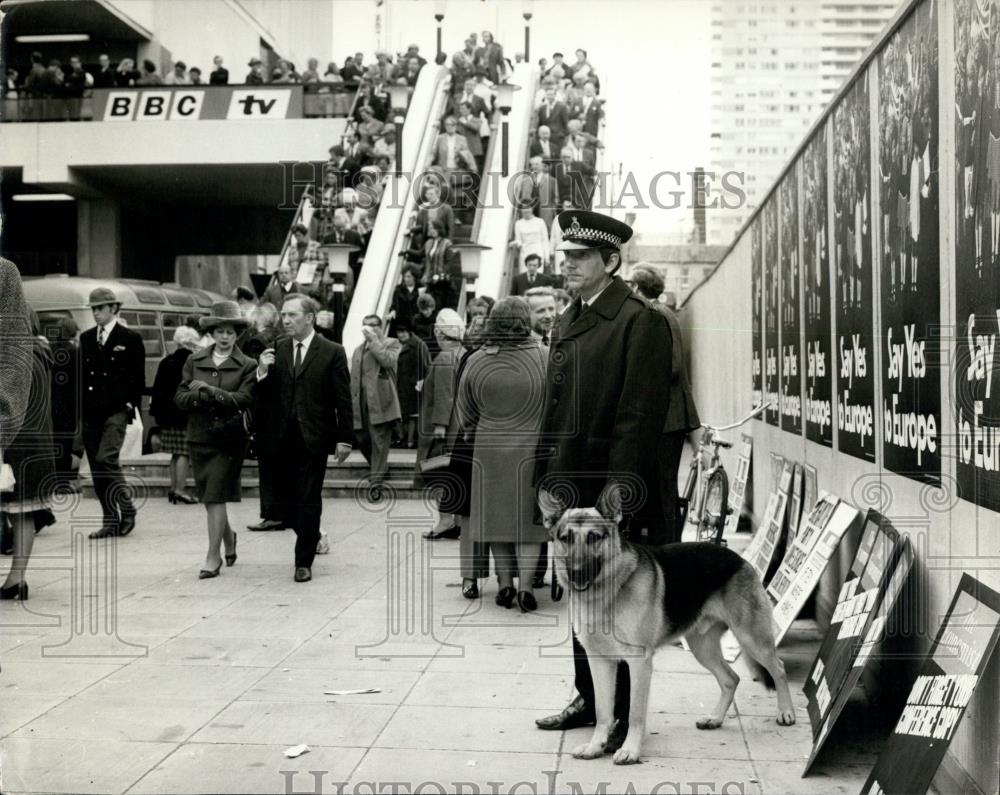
column 607, row 388
column 304, row 402
column 375, row 401
column 113, row 378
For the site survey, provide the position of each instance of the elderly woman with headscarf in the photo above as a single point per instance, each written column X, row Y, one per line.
column 171, row 421
column 437, row 399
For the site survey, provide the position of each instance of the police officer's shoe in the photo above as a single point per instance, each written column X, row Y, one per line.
column 577, row 714
column 302, row 574
column 104, row 532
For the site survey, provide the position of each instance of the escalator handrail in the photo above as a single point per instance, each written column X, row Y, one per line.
column 477, row 219
column 307, row 196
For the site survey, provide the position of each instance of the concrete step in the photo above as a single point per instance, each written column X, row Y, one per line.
column 341, row 488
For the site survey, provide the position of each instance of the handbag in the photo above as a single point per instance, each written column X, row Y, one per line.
column 438, row 458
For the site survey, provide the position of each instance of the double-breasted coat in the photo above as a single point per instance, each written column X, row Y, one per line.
column 113, row 374
column 214, row 413
column 606, row 398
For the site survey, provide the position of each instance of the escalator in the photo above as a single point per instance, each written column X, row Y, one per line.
column 381, row 270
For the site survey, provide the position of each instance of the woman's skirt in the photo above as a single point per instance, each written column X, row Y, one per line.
column 217, row 472
column 174, row 441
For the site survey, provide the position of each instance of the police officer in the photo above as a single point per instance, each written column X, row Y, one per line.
column 607, row 389
column 113, row 380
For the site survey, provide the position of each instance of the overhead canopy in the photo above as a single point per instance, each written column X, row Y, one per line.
column 100, row 19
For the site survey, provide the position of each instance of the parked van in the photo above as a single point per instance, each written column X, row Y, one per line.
column 152, row 309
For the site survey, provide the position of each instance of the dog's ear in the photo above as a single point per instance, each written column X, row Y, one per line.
column 609, row 504
column 552, row 508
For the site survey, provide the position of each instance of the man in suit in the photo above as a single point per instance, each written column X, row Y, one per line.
column 682, row 415
column 538, row 189
column 285, row 286
column 531, row 277
column 468, row 94
column 341, row 232
column 589, row 110
column 544, row 147
column 451, row 150
column 606, row 395
column 555, row 115
column 304, row 394
column 374, row 399
column 572, row 181
column 113, row 378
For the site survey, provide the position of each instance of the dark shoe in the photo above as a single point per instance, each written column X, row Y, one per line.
column 126, row 525
column 506, row 597
column 267, row 524
column 302, row 574
column 538, row 581
column 185, row 499
column 526, row 601
column 577, row 714
column 172, row 497
column 451, row 532
column 231, row 559
column 205, row 574
column 104, row 532
column 18, row 590
column 470, row 589
column 616, row 737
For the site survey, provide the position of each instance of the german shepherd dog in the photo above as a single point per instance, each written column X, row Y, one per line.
column 628, row 600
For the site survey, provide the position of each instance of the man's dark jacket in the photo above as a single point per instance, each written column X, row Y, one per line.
column 320, row 396
column 112, row 375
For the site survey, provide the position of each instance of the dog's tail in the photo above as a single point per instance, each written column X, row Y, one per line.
column 759, row 672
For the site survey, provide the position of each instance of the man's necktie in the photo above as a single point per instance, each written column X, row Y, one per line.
column 298, row 358
column 545, row 339
column 574, row 311
column 101, row 333
column 531, row 279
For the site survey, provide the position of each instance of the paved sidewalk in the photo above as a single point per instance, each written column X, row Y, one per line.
column 206, row 683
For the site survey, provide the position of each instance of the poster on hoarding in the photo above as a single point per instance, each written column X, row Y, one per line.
column 757, row 298
column 772, row 276
column 818, row 392
column 852, row 263
column 909, row 257
column 977, row 251
column 789, row 365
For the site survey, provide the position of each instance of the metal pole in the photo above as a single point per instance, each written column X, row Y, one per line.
column 399, row 145
column 503, row 151
column 338, row 308
column 527, row 43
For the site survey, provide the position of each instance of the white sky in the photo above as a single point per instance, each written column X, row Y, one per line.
column 653, row 58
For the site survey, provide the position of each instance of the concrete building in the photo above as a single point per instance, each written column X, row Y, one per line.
column 166, row 172
column 775, row 66
column 682, row 266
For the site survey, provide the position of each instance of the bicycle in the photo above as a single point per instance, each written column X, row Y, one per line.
column 707, row 487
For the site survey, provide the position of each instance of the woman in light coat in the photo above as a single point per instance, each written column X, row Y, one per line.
column 499, row 405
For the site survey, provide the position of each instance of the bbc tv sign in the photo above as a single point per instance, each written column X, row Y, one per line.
column 183, row 103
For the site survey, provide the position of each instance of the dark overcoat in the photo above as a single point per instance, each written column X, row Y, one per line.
column 607, row 388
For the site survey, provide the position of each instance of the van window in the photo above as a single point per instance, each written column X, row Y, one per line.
column 148, row 326
column 49, row 321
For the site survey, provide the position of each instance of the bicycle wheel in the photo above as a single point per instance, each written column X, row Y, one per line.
column 713, row 517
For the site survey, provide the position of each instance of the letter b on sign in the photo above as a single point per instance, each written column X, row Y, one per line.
column 153, row 106
column 120, row 106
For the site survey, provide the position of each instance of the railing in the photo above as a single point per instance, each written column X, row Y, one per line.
column 303, row 215
column 310, row 101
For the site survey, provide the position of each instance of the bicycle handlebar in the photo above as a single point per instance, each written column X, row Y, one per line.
column 747, row 418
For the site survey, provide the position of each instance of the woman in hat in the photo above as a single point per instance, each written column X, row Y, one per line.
column 216, row 390
column 171, row 421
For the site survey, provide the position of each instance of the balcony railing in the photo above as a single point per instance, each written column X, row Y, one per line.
column 309, row 101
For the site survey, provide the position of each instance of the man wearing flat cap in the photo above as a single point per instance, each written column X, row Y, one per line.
column 607, row 390
column 113, row 379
